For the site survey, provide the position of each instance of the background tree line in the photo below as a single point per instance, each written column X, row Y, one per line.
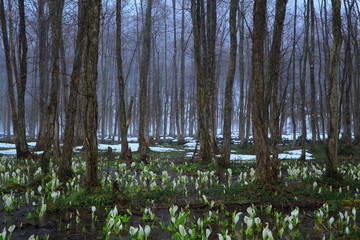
column 178, row 68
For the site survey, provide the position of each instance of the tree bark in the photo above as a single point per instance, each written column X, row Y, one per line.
column 212, row 91
column 263, row 173
column 126, row 154
column 181, row 139
column 56, row 8
column 144, row 68
column 275, row 62
column 201, row 63
column 65, row 171
column 17, row 108
column 303, row 84
column 313, row 105
column 332, row 98
column 228, row 106
column 293, row 53
column 43, row 68
column 92, row 26
column 242, row 75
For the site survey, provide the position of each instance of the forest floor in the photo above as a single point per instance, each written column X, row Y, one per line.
column 174, row 198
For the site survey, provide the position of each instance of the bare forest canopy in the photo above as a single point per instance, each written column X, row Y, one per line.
column 169, row 67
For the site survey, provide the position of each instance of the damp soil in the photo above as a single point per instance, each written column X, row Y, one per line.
column 63, row 223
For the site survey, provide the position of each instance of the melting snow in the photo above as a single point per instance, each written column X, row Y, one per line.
column 294, row 154
column 8, row 152
column 7, row 145
column 162, row 149
column 134, row 147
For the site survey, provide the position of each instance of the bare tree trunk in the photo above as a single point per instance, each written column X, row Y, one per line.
column 293, row 117
column 313, row 108
column 175, row 80
column 181, row 139
column 204, row 121
column 332, row 143
column 228, row 108
column 326, row 64
column 43, row 67
column 242, row 75
column 354, row 33
column 126, row 154
column 17, row 109
column 348, row 77
column 303, row 84
column 275, row 61
column 158, row 100
column 92, row 25
column 165, row 121
column 211, row 70
column 248, row 116
column 320, row 83
column 104, row 89
column 346, row 136
column 76, row 76
column 144, row 68
column 263, row 173
column 56, row 8
column 21, row 86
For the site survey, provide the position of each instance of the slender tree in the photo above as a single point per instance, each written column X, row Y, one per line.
column 274, row 63
column 144, row 68
column 202, row 64
column 332, row 97
column 313, row 105
column 263, row 173
column 126, row 154
column 92, row 26
column 293, row 55
column 72, row 103
column 43, row 68
column 228, row 105
column 17, row 107
column 56, row 8
column 303, row 69
column 242, row 75
column 182, row 76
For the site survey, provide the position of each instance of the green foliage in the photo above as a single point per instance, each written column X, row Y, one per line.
column 84, row 199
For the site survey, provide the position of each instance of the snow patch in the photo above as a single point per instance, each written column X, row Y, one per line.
column 8, row 152
column 163, row 149
column 7, row 145
column 242, row 157
column 295, row 154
